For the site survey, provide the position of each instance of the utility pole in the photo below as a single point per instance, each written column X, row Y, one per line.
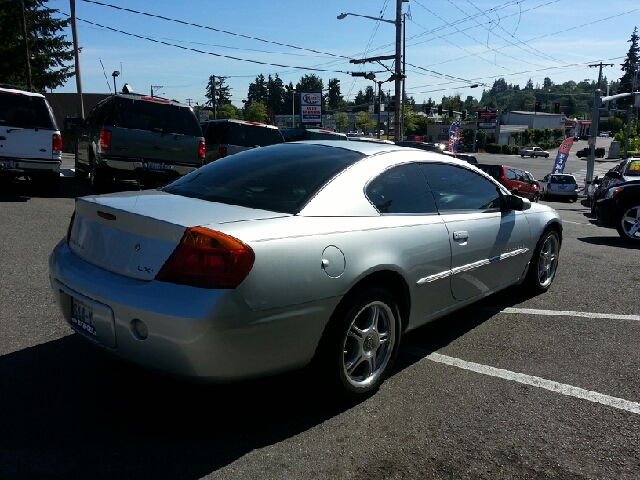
column 600, row 73
column 26, row 46
column 379, row 106
column 189, row 101
column 595, row 117
column 398, row 72
column 76, row 54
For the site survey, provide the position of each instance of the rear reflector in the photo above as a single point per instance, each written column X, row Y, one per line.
column 208, row 259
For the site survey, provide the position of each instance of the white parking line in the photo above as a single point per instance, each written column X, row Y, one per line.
column 560, row 313
column 577, row 223
column 550, row 385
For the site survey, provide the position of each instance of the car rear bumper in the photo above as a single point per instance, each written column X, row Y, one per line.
column 28, row 166
column 193, row 333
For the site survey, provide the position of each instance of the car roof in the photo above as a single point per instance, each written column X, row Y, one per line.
column 17, row 91
column 239, row 122
column 140, row 96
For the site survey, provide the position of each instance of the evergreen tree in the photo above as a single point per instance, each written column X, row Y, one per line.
column 258, row 91
column 369, row 95
column 334, row 98
column 630, row 69
column 360, row 98
column 48, row 52
column 310, row 84
column 216, row 87
column 276, row 96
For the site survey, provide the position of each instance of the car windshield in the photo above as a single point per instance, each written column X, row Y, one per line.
column 563, row 179
column 633, row 169
column 279, row 178
column 24, row 111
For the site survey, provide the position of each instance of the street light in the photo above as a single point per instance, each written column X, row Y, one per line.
column 292, row 89
column 114, row 75
column 398, row 74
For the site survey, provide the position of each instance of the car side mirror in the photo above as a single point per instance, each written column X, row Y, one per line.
column 514, row 202
column 615, row 175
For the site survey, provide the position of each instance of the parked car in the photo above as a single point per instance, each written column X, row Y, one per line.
column 559, row 185
column 533, row 152
column 517, row 181
column 462, row 156
column 620, row 209
column 297, row 134
column 626, row 171
column 584, row 152
column 215, row 277
column 137, row 137
column 30, row 142
column 369, row 139
column 229, row 136
column 429, row 147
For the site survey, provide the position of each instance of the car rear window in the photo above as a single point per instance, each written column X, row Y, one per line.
column 279, row 178
column 24, row 111
column 492, row 170
column 563, row 179
column 148, row 115
column 241, row 134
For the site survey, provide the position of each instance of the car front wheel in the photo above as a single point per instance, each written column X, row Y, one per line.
column 544, row 262
column 360, row 344
column 628, row 224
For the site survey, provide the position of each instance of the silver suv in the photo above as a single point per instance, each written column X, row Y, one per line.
column 533, row 152
column 30, row 141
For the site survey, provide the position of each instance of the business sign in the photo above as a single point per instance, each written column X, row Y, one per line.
column 311, row 107
column 563, row 154
column 487, row 118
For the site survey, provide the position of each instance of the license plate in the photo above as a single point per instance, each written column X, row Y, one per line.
column 158, row 166
column 7, row 164
column 82, row 316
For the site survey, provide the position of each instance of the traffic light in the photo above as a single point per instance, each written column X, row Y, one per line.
column 464, row 114
column 537, row 109
column 450, row 112
column 439, row 109
column 556, row 107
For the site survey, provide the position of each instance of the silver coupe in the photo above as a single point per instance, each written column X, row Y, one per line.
column 315, row 253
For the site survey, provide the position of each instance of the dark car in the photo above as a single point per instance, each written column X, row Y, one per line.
column 462, row 156
column 517, row 181
column 626, row 171
column 620, row 209
column 137, row 137
column 297, row 134
column 229, row 136
column 584, row 153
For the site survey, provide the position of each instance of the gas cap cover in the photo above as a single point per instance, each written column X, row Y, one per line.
column 333, row 261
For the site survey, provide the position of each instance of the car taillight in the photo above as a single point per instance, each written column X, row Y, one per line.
column 208, row 259
column 56, row 141
column 222, row 152
column 548, row 186
column 577, row 187
column 73, row 217
column 202, row 150
column 105, row 139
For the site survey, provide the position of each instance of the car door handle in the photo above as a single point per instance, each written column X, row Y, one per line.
column 462, row 235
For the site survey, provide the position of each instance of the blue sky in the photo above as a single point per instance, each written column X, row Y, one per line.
column 450, row 44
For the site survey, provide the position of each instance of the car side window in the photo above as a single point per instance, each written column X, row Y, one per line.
column 456, row 188
column 401, row 189
column 511, row 175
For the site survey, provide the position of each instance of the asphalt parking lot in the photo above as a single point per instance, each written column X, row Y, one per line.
column 513, row 387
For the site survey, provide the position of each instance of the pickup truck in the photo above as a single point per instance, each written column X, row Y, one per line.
column 533, row 152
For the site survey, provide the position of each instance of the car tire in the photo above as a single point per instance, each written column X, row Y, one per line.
column 546, row 156
column 360, row 344
column 628, row 222
column 536, row 197
column 544, row 262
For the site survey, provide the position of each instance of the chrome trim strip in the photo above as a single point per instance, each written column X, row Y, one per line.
column 470, row 266
column 131, row 166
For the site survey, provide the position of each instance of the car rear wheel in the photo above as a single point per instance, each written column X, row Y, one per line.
column 98, row 179
column 79, row 173
column 360, row 344
column 628, row 224
column 536, row 197
column 544, row 262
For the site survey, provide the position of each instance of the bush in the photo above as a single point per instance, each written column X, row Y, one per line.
column 506, row 149
column 515, row 150
column 493, row 148
column 600, row 152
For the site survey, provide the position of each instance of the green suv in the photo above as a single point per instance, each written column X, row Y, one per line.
column 136, row 137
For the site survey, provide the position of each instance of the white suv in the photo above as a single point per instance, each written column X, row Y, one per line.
column 30, row 142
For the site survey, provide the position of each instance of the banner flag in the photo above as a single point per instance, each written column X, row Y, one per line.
column 454, row 135
column 563, row 154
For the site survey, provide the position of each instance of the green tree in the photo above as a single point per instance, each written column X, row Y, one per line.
column 334, row 98
column 369, row 95
column 411, row 122
column 630, row 69
column 276, row 96
column 49, row 53
column 360, row 98
column 229, row 111
column 216, row 88
column 342, row 120
column 310, row 84
column 258, row 91
column 256, row 112
column 364, row 120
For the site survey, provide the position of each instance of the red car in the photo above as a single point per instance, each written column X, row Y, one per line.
column 517, row 181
